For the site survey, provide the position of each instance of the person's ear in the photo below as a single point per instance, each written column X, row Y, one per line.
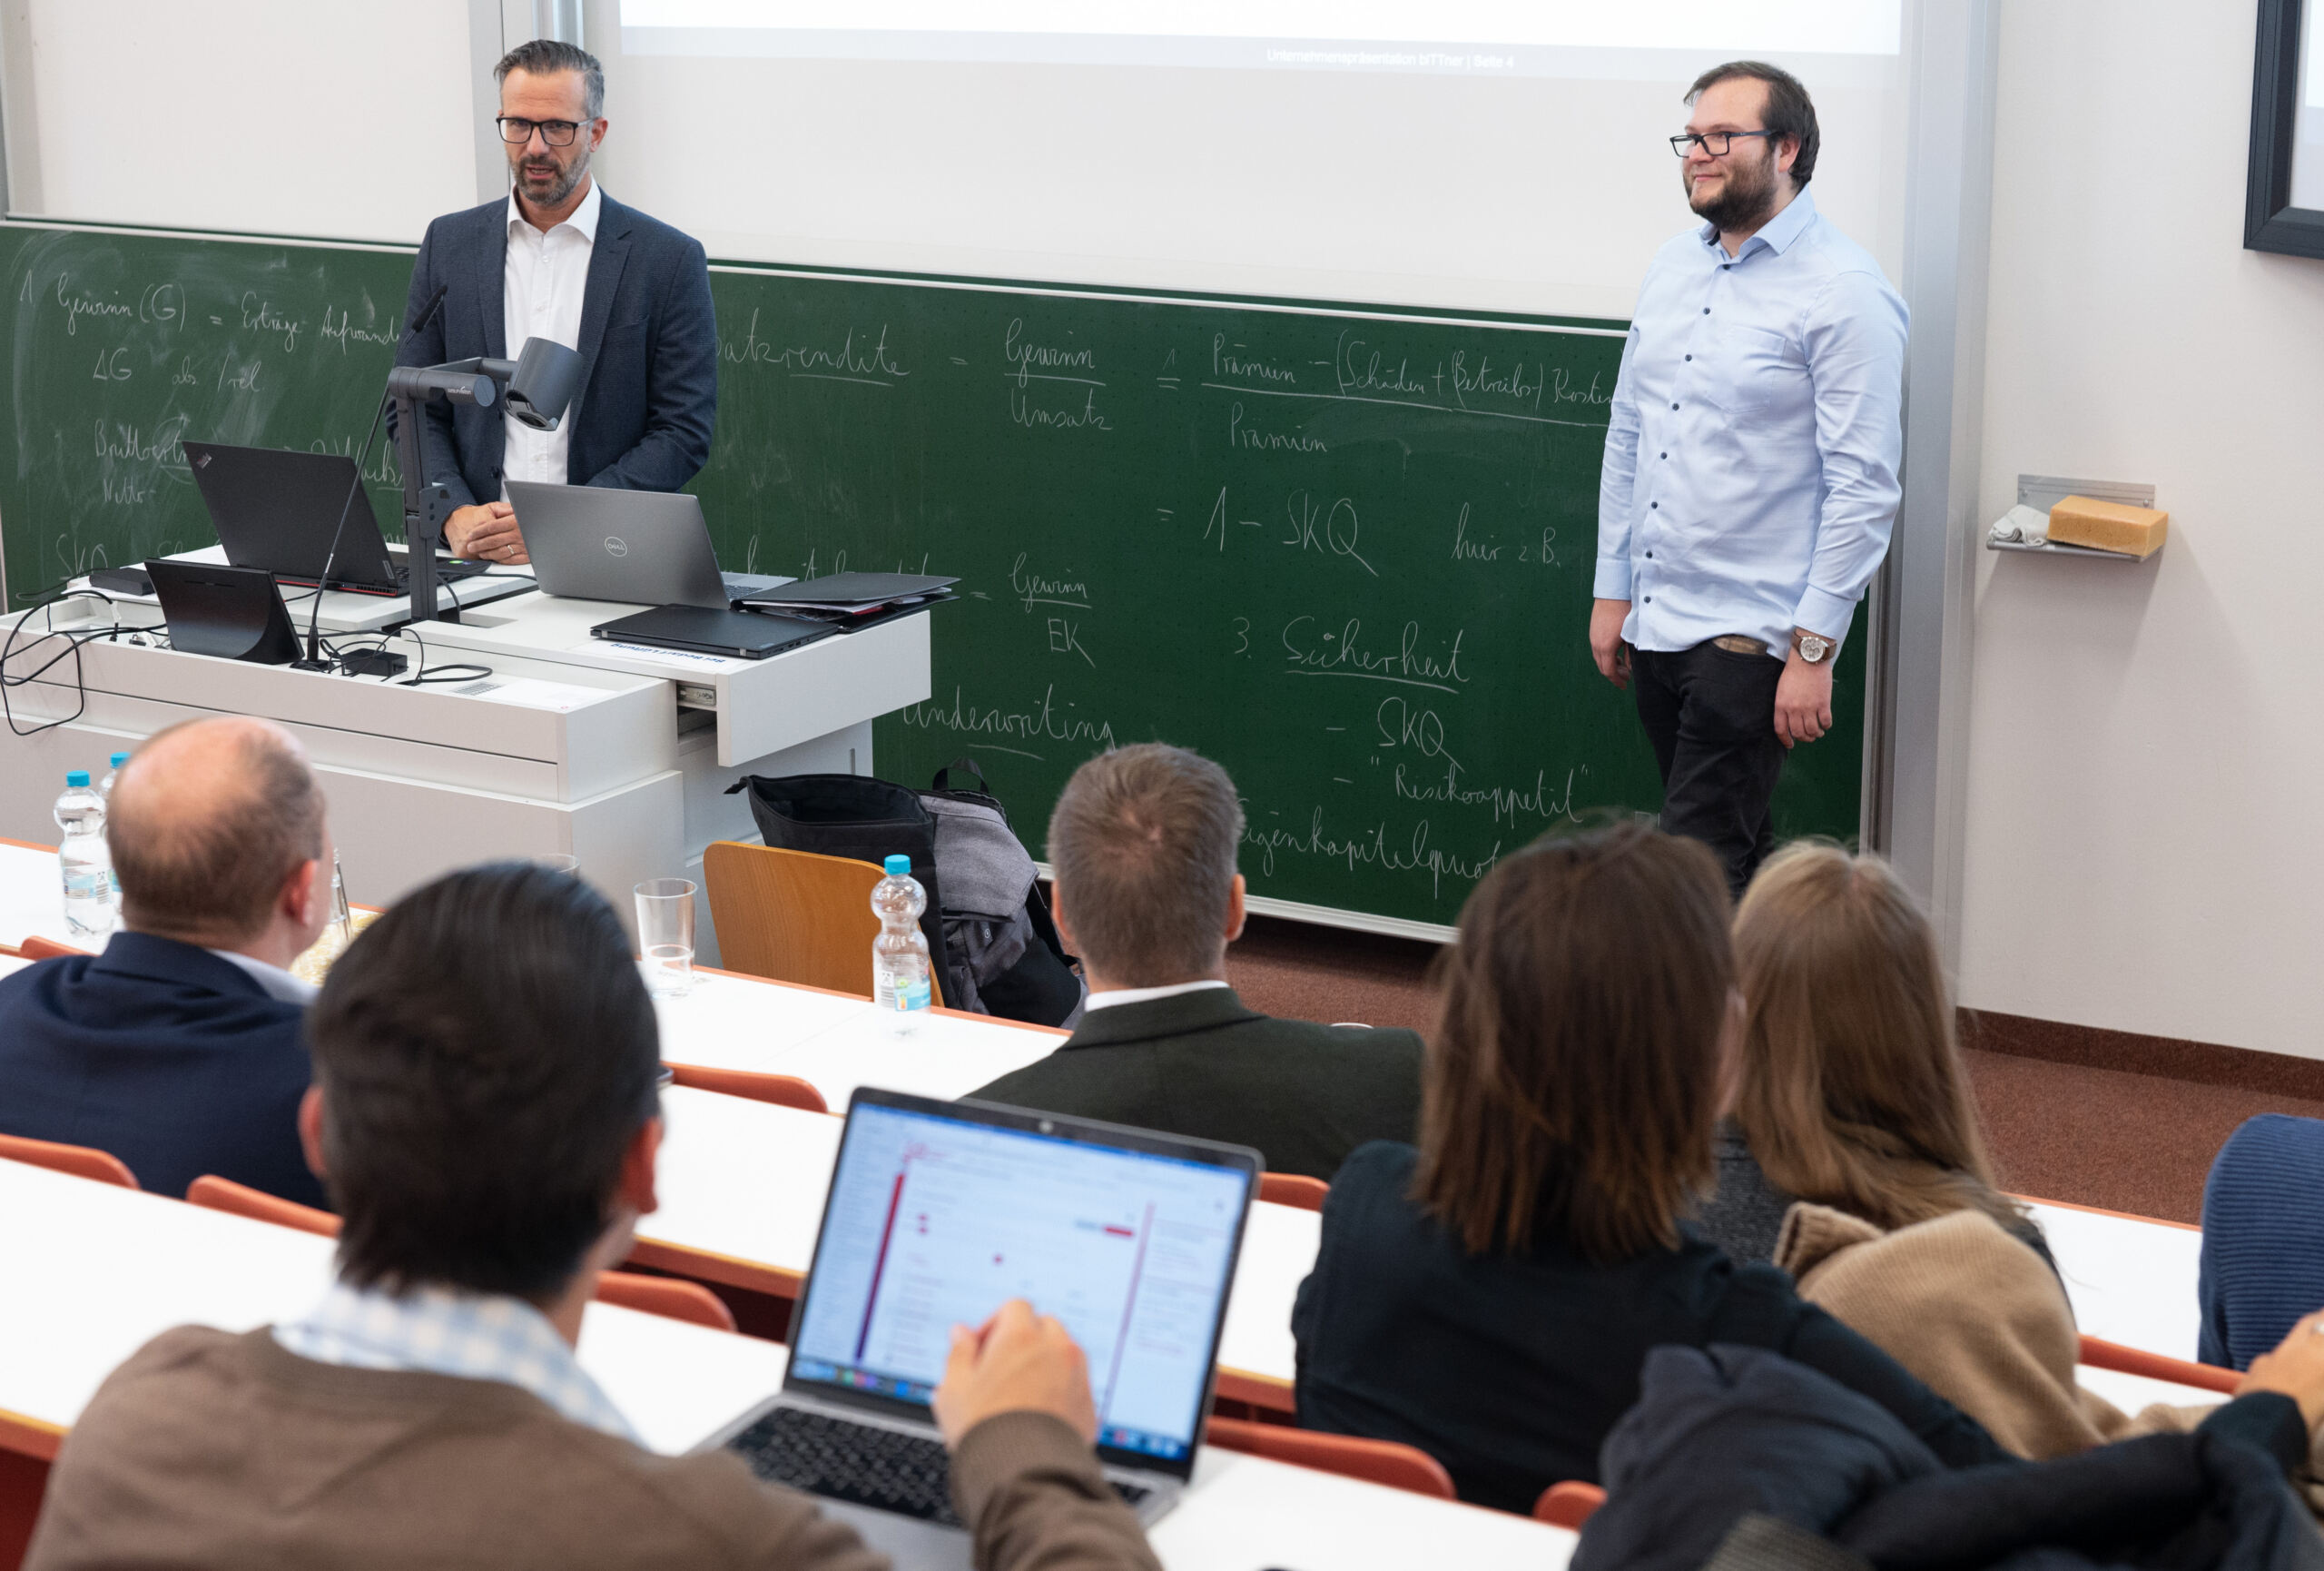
column 1057, row 918
column 637, row 1170
column 304, row 894
column 1235, row 913
column 597, row 128
column 1787, row 154
column 310, row 1131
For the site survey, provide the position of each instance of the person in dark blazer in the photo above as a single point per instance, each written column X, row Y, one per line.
column 180, row 1048
column 1490, row 1295
column 559, row 259
column 1143, row 843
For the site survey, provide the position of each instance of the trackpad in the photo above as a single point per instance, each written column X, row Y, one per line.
column 913, row 1545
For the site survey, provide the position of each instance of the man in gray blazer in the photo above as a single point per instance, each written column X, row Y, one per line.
column 1142, row 842
column 559, row 259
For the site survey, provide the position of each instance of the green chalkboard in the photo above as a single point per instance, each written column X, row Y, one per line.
column 1346, row 550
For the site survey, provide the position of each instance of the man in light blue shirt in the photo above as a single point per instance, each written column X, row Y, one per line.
column 1750, row 472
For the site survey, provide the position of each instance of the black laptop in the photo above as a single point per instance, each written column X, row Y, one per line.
column 700, row 631
column 278, row 509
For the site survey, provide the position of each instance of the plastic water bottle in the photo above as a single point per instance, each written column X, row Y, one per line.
column 900, row 974
column 104, row 795
column 87, row 863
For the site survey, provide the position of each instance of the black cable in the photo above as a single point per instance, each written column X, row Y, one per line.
column 72, row 647
column 330, row 557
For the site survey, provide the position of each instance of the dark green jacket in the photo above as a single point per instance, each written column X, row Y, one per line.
column 1202, row 1065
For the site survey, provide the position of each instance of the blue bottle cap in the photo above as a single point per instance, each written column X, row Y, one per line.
column 77, row 777
column 898, row 866
column 119, row 759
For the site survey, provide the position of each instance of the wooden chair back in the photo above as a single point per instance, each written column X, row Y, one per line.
column 655, row 1295
column 782, row 1090
column 1568, row 1505
column 794, row 916
column 80, row 1160
column 1389, row 1462
column 1291, row 1189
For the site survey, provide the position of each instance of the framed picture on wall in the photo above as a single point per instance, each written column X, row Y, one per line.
column 2283, row 208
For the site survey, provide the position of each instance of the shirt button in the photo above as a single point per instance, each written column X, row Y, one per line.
column 1690, row 357
column 1666, row 455
column 1705, row 310
column 1649, row 599
column 1649, row 556
column 1675, row 406
column 1654, row 504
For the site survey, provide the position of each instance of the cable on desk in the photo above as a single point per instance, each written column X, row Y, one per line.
column 73, row 646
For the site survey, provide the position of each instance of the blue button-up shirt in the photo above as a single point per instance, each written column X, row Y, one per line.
column 438, row 1332
column 1750, row 475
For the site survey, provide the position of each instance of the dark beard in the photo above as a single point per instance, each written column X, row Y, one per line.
column 1746, row 202
column 562, row 189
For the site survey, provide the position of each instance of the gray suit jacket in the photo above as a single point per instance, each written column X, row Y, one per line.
column 649, row 352
column 1203, row 1065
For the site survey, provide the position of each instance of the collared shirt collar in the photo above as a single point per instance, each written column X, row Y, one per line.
column 1778, row 233
column 584, row 218
column 1119, row 995
column 440, row 1331
column 278, row 983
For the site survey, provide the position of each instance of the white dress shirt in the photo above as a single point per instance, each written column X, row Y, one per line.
column 280, row 985
column 541, row 292
column 1112, row 996
column 1751, row 474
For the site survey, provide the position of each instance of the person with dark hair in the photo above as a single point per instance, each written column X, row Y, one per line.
column 1750, row 484
column 559, row 259
column 486, row 1114
column 1143, row 841
column 180, row 1048
column 1490, row 1296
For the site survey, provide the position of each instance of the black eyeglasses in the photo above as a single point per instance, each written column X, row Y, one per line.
column 556, row 132
column 1715, row 143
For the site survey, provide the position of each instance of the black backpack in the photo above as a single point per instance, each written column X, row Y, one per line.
column 989, row 930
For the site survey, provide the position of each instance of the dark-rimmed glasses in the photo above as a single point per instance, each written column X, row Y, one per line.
column 1715, row 143
column 556, row 132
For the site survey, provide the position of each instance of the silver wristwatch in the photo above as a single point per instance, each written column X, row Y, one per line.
column 1812, row 648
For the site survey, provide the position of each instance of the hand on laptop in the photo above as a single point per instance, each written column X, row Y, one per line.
column 1017, row 1361
column 487, row 532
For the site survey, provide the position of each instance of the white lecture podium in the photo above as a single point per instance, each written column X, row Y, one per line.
column 617, row 755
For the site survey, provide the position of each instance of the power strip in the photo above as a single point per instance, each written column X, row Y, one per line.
column 375, row 663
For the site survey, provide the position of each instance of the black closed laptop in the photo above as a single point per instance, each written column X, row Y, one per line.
column 278, row 510
column 697, row 630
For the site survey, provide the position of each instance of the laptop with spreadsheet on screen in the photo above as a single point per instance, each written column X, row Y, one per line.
column 940, row 1212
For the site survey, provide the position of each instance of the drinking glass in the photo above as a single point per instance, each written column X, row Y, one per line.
column 558, row 862
column 665, row 935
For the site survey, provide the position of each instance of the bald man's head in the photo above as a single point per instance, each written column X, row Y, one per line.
column 208, row 820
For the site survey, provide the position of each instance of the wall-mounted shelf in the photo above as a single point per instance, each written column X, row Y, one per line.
column 2047, row 491
column 2049, row 551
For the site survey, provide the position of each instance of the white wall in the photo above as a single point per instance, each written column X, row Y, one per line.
column 2147, row 743
column 346, row 118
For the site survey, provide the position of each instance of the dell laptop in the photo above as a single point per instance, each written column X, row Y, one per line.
column 278, row 510
column 632, row 548
column 938, row 1212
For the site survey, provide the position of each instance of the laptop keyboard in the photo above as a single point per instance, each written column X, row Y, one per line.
column 447, row 572
column 887, row 1469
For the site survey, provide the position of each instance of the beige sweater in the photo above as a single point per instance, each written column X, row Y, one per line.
column 1979, row 1317
column 207, row 1449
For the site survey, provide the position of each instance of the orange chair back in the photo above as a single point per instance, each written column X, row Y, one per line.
column 1389, row 1462
column 655, row 1295
column 39, row 948
column 214, row 1193
column 782, row 1090
column 794, row 916
column 667, row 1296
column 1568, row 1505
column 80, row 1160
column 2103, row 1355
column 1291, row 1189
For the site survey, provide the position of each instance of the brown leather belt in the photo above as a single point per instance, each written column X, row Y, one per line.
column 1736, row 644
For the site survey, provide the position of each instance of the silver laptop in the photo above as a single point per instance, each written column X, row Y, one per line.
column 634, row 548
column 940, row 1212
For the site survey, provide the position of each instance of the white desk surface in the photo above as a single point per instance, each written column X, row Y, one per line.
column 117, row 1268
column 342, row 612
column 746, row 1180
column 2131, row 1279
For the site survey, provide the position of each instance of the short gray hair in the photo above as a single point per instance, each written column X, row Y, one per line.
column 1143, row 841
column 548, row 57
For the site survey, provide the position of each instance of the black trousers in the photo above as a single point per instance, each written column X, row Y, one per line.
column 1710, row 714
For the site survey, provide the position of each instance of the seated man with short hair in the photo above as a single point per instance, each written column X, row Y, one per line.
column 179, row 1048
column 1143, row 843
column 486, row 1114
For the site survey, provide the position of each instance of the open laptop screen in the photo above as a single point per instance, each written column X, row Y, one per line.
column 937, row 1218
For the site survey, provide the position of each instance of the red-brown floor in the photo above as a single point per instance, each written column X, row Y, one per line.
column 2095, row 1136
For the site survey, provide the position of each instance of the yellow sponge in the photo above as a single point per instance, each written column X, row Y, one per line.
column 2108, row 526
